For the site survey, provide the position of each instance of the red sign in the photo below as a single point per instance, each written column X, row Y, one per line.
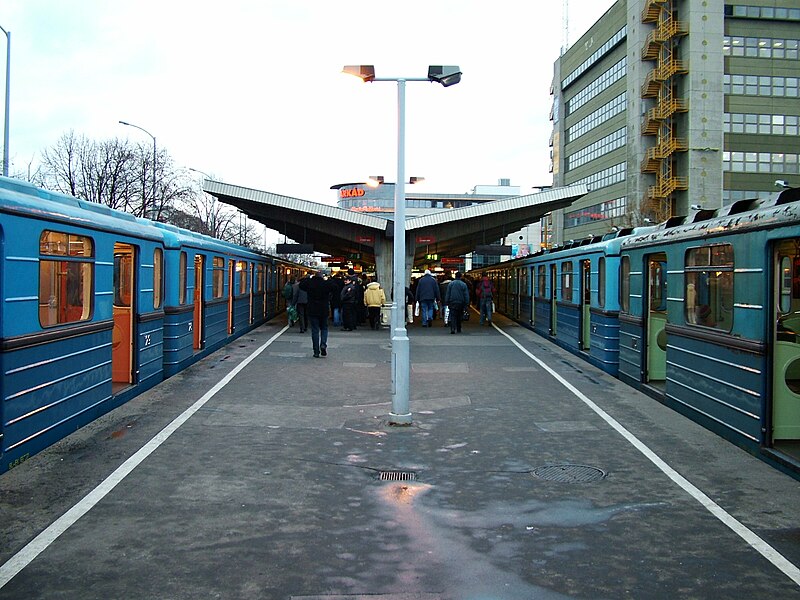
column 426, row 239
column 452, row 261
column 354, row 193
column 334, row 259
column 365, row 239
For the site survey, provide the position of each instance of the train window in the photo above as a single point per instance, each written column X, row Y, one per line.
column 601, row 282
column 182, row 278
column 158, row 278
column 542, row 281
column 259, row 283
column 65, row 283
column 625, row 284
column 709, row 286
column 241, row 271
column 566, row 281
column 218, row 277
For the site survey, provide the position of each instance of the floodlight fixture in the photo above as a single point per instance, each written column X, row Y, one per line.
column 375, row 180
column 447, row 75
column 413, row 180
column 365, row 72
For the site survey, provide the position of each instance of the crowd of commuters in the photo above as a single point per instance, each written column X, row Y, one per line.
column 351, row 301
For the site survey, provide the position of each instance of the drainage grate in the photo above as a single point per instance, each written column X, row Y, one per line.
column 397, row 476
column 569, row 473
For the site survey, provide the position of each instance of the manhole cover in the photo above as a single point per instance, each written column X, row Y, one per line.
column 397, row 476
column 569, row 473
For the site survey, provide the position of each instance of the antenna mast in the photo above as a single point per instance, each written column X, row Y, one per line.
column 565, row 26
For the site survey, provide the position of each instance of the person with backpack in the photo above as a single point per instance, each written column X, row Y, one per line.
column 288, row 293
column 485, row 291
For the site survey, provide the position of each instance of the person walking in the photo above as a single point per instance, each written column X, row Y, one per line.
column 336, row 300
column 318, row 291
column 349, row 295
column 485, row 293
column 299, row 300
column 427, row 296
column 288, row 293
column 457, row 299
column 374, row 299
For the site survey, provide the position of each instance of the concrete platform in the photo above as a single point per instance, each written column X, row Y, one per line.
column 264, row 473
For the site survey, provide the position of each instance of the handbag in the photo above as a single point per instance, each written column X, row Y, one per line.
column 416, row 309
column 409, row 313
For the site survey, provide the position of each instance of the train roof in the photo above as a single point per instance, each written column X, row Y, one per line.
column 781, row 209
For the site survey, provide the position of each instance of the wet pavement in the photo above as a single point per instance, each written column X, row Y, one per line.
column 519, row 478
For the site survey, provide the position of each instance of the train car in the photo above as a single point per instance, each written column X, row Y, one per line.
column 710, row 318
column 701, row 312
column 568, row 294
column 99, row 306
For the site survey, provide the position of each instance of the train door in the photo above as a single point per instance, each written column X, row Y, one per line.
column 786, row 346
column 553, row 303
column 532, row 287
column 656, row 319
column 231, row 280
column 122, row 347
column 197, row 318
column 586, row 302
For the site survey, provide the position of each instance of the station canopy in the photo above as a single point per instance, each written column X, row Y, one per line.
column 449, row 232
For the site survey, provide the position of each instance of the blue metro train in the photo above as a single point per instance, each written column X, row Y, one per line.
column 98, row 306
column 701, row 312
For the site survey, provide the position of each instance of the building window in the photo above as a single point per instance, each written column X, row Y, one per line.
column 761, row 85
column 598, row 117
column 608, row 209
column 760, row 162
column 599, row 148
column 762, row 124
column 602, row 83
column 66, row 278
column 596, row 55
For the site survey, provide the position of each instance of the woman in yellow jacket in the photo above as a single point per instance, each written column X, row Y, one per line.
column 374, row 298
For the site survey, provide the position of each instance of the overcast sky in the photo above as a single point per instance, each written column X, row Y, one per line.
column 251, row 91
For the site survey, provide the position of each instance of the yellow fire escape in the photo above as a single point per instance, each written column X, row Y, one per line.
column 660, row 84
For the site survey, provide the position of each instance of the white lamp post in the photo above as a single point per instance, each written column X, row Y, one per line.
column 144, row 200
column 447, row 76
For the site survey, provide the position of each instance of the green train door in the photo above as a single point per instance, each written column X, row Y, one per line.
column 656, row 315
column 786, row 346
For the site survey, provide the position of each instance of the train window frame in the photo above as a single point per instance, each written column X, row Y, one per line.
column 158, row 278
column 182, row 279
column 708, row 286
column 242, row 270
column 566, row 281
column 72, row 257
column 541, row 276
column 217, row 277
column 259, row 279
column 625, row 284
column 601, row 282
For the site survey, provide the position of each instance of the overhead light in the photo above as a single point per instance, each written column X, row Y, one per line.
column 365, row 72
column 375, row 180
column 413, row 180
column 447, row 75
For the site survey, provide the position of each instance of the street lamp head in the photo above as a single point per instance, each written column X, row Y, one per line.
column 375, row 180
column 365, row 72
column 124, row 123
column 447, row 75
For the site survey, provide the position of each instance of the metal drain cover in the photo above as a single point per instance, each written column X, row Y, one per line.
column 569, row 473
column 397, row 476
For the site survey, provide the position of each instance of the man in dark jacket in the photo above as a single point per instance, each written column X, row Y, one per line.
column 349, row 297
column 457, row 299
column 427, row 295
column 485, row 292
column 319, row 290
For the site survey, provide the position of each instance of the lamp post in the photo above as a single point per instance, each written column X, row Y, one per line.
column 8, row 94
column 144, row 200
column 447, row 76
